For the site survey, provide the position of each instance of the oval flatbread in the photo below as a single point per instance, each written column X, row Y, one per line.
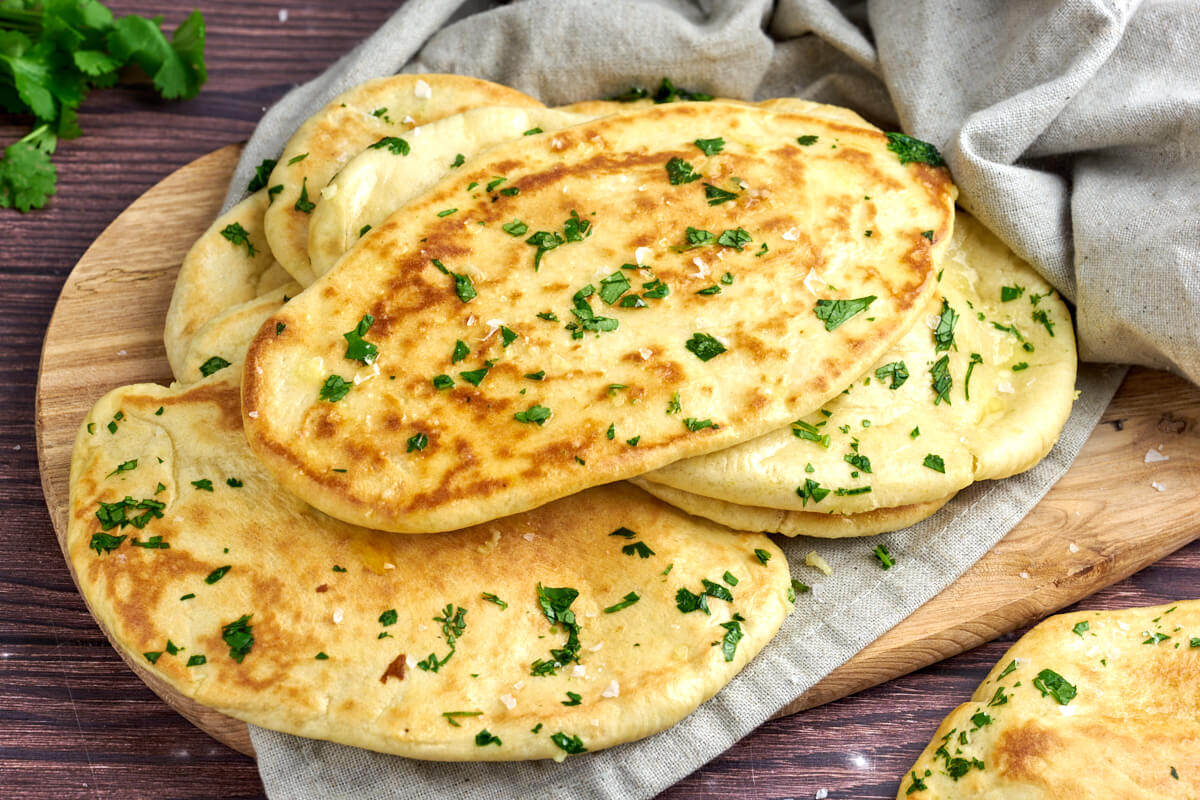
column 626, row 293
column 980, row 388
column 1090, row 705
column 558, row 631
column 381, row 109
column 227, row 335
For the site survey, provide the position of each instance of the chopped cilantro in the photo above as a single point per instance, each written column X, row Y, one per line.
column 544, row 241
column 491, row 598
column 335, row 388
column 693, row 424
column 811, row 490
column 943, row 335
column 532, row 131
column 762, row 555
column 908, row 149
column 507, row 336
column 975, row 359
column 858, row 461
column 629, row 600
column 716, row 195
column 935, row 463
column 673, row 405
column 357, row 348
column 572, row 745
column 806, row 141
column 704, row 346
column 883, row 556
column 613, row 286
column 447, row 212
column 716, row 590
column 809, row 432
column 239, row 636
column 797, row 588
column 836, row 312
column 105, row 543
column 1010, row 293
column 463, row 286
column 737, row 239
column 688, row 601
column 297, row 159
column 515, row 228
column 204, row 485
column 1080, row 628
column 388, row 617
column 475, row 376
column 443, row 382
column 196, row 661
column 695, row 237
column 680, row 171
column 637, row 549
column 710, row 147
column 214, row 364
column 535, row 413
column 896, row 372
column 262, row 174
column 303, row 204
column 733, row 635
column 394, row 144
column 941, row 380
column 484, row 738
column 217, row 574
column 1049, row 682
column 417, row 442
column 238, row 236
column 623, row 532
column 1040, row 316
column 573, row 699
column 123, row 467
column 458, row 161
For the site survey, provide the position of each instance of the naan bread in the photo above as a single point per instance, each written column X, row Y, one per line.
column 790, row 326
column 314, row 627
column 883, row 438
column 220, row 271
column 794, row 523
column 351, row 122
column 1092, row 705
column 376, row 182
column 227, row 335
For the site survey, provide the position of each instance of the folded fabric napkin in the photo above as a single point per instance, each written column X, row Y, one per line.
column 1073, row 131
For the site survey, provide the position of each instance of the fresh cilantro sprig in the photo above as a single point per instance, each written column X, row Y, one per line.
column 52, row 52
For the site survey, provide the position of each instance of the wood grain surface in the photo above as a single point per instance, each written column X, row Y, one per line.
column 75, row 722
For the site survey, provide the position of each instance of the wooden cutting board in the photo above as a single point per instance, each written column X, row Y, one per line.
column 1101, row 523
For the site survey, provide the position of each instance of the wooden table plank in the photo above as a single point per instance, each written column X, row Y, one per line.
column 74, row 722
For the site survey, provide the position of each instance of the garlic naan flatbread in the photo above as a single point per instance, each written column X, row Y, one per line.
column 229, row 264
column 203, row 570
column 384, row 108
column 585, row 306
column 1092, row 705
column 913, row 430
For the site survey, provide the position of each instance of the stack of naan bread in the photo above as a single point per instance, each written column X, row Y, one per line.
column 379, row 506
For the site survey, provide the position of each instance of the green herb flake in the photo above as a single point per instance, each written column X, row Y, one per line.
column 762, row 555
column 388, row 618
column 895, row 373
column 447, row 212
column 484, row 738
column 105, row 543
column 629, row 600
column 809, row 432
column 123, row 467
column 733, row 635
column 262, row 174
column 238, row 237
column 394, row 145
column 196, row 661
column 443, row 381
column 1080, row 628
column 716, row 195
column 573, row 699
column 1010, row 293
column 811, row 490
column 613, row 286
column 941, row 382
column 680, row 171
column 943, row 335
column 883, row 556
column 363, row 231
column 188, row 596
column 544, row 241
column 357, row 348
column 704, row 346
column 710, row 147
column 335, row 388
column 463, row 286
column 693, row 424
column 534, row 414
column 417, row 442
column 1041, row 317
column 737, row 239
column 458, row 161
column 204, row 485
column 637, row 549
column 475, row 376
column 1049, row 682
column 1012, row 665
column 239, row 636
column 303, row 204
column 910, row 150
column 491, row 598
column 858, row 461
column 572, row 745
column 214, row 364
column 688, row 601
column 797, row 588
column 935, row 463
column 321, row 656
column 716, row 590
column 217, row 574
column 729, row 578
column 806, row 141
column 835, row 312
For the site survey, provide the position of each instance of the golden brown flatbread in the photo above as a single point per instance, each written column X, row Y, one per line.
column 202, row 569
column 1092, row 705
column 598, row 340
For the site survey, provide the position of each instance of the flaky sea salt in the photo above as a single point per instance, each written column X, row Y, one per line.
column 422, row 90
column 641, row 254
column 1154, row 455
column 283, row 15
column 509, row 701
column 1158, row 486
column 1074, row 548
column 1004, row 387
column 579, row 671
column 338, row 615
column 612, row 690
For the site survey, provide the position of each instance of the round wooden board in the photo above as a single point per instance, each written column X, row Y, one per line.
column 1091, row 530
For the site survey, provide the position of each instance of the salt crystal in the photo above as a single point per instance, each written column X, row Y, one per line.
column 1024, row 575
column 645, row 353
column 1158, row 486
column 527, row 537
column 509, row 701
column 519, row 685
column 791, row 234
column 1074, row 548
column 641, row 254
column 932, row 321
column 387, row 565
column 1154, row 455
column 1004, row 387
column 579, row 671
column 470, row 320
column 422, row 90
column 595, row 647
column 821, row 794
column 252, row 414
column 121, row 353
column 810, row 279
column 408, row 120
column 612, row 690
column 283, row 15
column 701, row 267
column 337, row 616
column 16, row 447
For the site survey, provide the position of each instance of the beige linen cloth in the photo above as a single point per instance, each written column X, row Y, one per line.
column 1072, row 129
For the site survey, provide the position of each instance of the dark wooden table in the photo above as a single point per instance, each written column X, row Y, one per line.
column 74, row 721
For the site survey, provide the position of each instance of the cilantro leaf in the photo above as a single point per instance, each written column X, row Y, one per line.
column 27, row 177
column 836, row 312
column 177, row 68
column 908, row 149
